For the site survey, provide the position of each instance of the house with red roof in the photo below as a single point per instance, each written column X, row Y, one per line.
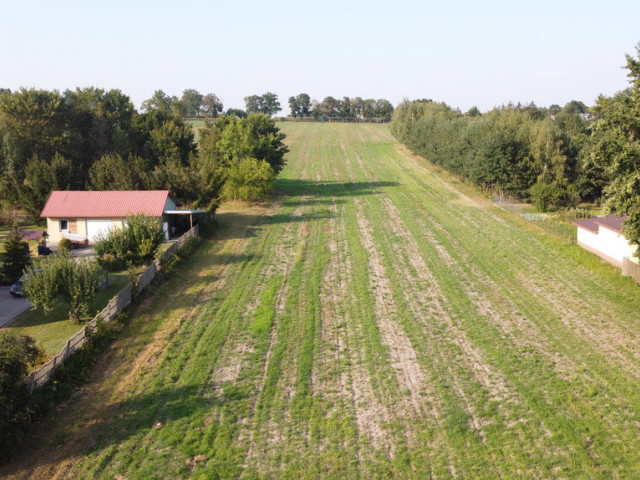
column 82, row 216
column 603, row 236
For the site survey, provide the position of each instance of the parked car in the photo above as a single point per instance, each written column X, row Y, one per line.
column 16, row 288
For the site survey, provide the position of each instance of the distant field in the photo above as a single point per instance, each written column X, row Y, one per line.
column 378, row 320
column 197, row 126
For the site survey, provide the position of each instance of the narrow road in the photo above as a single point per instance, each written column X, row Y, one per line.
column 10, row 306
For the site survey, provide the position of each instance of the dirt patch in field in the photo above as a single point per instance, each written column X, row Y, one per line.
column 570, row 310
column 402, row 355
column 499, row 309
column 349, row 389
column 272, row 433
column 431, row 299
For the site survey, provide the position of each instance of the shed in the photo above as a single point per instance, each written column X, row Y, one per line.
column 603, row 236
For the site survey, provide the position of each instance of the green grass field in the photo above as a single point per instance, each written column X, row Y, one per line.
column 378, row 319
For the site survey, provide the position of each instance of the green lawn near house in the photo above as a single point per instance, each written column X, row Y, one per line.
column 52, row 330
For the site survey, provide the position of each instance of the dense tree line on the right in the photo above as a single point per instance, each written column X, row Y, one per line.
column 555, row 157
column 518, row 150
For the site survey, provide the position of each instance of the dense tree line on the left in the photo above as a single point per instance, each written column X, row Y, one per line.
column 95, row 139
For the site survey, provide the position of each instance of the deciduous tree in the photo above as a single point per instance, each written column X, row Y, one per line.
column 618, row 149
column 159, row 101
column 211, row 105
column 270, row 104
column 18, row 354
column 192, row 101
column 75, row 281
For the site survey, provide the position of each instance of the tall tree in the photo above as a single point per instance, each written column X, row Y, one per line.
column 211, row 105
column 98, row 123
column 158, row 135
column 304, row 104
column 192, row 101
column 344, row 107
column 159, row 101
column 112, row 172
column 32, row 123
column 384, row 109
column 357, row 106
column 618, row 149
column 300, row 105
column 253, row 104
column 270, row 104
column 15, row 257
column 41, row 177
column 294, row 107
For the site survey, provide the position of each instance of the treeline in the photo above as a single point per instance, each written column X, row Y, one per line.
column 190, row 104
column 348, row 108
column 555, row 156
column 519, row 150
column 95, row 139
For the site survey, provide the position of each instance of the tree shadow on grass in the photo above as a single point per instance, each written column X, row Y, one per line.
column 329, row 188
column 296, row 193
column 158, row 416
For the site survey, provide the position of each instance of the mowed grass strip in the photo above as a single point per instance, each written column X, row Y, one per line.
column 376, row 320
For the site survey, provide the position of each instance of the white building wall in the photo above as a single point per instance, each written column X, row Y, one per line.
column 614, row 244
column 587, row 238
column 609, row 245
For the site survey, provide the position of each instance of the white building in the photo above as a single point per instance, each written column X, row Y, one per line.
column 85, row 215
column 603, row 236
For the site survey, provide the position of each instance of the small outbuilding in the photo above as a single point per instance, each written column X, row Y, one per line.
column 603, row 236
column 85, row 215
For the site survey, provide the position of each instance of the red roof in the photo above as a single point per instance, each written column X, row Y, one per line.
column 105, row 204
column 587, row 224
column 612, row 222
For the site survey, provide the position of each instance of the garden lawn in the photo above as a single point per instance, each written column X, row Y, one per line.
column 377, row 319
column 52, row 330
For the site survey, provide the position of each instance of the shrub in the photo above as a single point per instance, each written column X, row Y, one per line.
column 17, row 354
column 134, row 244
column 248, row 180
column 64, row 245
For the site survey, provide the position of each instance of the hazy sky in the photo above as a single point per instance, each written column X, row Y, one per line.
column 482, row 52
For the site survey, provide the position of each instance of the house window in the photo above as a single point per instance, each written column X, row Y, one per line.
column 64, row 225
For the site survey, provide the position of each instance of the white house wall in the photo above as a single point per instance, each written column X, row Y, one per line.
column 614, row 244
column 607, row 244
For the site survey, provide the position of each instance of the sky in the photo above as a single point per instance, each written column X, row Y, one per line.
column 465, row 53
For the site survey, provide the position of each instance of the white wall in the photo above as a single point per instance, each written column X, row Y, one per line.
column 609, row 245
column 614, row 244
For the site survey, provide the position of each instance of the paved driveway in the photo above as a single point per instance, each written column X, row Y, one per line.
column 10, row 306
